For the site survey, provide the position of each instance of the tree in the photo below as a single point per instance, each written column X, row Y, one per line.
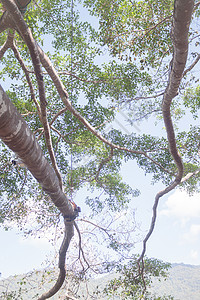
column 69, row 129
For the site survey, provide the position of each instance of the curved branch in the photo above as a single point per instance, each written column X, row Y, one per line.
column 192, row 65
column 154, row 216
column 196, row 5
column 8, row 43
column 181, row 21
column 16, row 134
column 60, row 134
column 180, row 27
column 69, row 232
column 57, row 115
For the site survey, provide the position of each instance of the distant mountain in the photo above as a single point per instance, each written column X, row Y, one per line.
column 183, row 284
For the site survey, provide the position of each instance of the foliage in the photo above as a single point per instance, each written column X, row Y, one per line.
column 96, row 87
column 109, row 55
column 134, row 27
column 111, row 81
column 133, row 285
column 192, row 100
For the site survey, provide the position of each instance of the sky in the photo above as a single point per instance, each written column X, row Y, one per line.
column 176, row 237
column 177, row 231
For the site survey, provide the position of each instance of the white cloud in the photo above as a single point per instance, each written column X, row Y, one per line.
column 182, row 206
column 193, row 234
column 194, row 254
column 195, row 230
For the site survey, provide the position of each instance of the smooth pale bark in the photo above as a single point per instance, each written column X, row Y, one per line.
column 180, row 27
column 69, row 232
column 15, row 133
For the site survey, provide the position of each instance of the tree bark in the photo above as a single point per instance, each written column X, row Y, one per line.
column 16, row 134
column 6, row 20
column 180, row 26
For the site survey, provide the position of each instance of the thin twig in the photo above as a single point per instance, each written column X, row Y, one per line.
column 144, row 97
column 60, row 112
column 21, row 62
column 103, row 162
column 79, row 78
column 80, row 245
column 192, row 65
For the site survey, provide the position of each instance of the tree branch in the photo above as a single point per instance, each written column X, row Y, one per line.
column 8, row 43
column 26, row 35
column 181, row 21
column 57, row 115
column 103, row 162
column 80, row 245
column 65, row 98
column 79, row 78
column 69, row 232
column 67, row 207
column 20, row 60
column 189, row 175
column 192, row 65
column 6, row 20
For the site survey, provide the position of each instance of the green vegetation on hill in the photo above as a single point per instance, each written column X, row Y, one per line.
column 183, row 284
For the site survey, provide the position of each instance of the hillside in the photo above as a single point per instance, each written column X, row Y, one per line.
column 183, row 283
